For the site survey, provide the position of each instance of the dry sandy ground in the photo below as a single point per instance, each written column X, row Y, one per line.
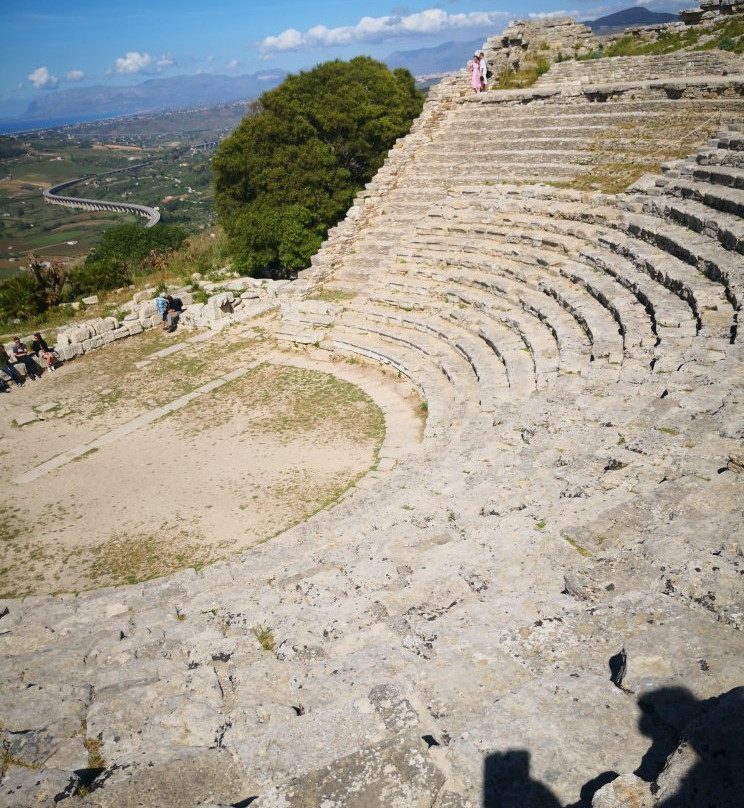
column 230, row 469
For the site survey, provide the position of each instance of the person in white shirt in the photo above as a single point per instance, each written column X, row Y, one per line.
column 483, row 64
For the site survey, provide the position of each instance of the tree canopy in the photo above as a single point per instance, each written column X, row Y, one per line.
column 121, row 255
column 292, row 167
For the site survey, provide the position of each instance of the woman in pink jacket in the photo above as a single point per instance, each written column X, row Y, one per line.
column 475, row 79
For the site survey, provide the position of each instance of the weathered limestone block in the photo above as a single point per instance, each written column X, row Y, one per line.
column 627, row 791
column 392, row 774
column 91, row 301
column 187, row 777
column 270, row 747
column 144, row 295
column 218, row 306
column 239, row 284
column 694, row 652
column 22, row 787
column 68, row 351
column 176, row 709
column 134, row 327
column 147, row 309
column 78, row 335
column 556, row 733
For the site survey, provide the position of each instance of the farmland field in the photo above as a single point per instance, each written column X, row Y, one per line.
column 178, row 182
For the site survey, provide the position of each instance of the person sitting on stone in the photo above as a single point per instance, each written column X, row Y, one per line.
column 43, row 352
column 7, row 367
column 175, row 307
column 21, row 354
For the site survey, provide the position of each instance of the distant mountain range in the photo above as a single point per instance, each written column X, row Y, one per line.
column 155, row 95
column 443, row 58
column 618, row 22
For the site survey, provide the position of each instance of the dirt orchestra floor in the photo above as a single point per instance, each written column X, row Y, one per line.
column 103, row 487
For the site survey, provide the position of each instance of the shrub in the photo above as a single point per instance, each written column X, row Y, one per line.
column 20, row 298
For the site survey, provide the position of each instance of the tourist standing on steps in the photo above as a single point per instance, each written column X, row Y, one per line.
column 40, row 349
column 21, row 354
column 483, row 64
column 161, row 301
column 6, row 367
column 475, row 77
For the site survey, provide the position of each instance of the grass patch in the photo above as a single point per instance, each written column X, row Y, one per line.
column 582, row 551
column 624, row 152
column 332, row 295
column 95, row 758
column 265, row 637
column 133, row 559
column 668, row 430
column 9, row 759
column 524, row 77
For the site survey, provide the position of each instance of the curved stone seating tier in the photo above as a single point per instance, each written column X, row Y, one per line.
column 727, row 176
column 653, row 287
column 496, row 356
column 496, row 289
column 709, row 299
column 502, row 325
column 539, row 269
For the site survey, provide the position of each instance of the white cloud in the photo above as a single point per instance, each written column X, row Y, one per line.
column 379, row 29
column 546, row 15
column 75, row 75
column 163, row 62
column 42, row 79
column 233, row 64
column 133, row 62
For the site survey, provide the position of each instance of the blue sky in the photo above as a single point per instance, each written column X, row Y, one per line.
column 48, row 45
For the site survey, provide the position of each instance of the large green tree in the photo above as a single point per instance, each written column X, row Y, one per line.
column 291, row 168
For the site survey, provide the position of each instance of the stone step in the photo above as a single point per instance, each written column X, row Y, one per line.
column 726, row 228
column 717, row 197
column 542, row 260
column 729, row 176
column 529, row 312
column 429, row 292
column 666, row 309
column 497, row 379
column 634, row 323
column 489, row 156
column 444, row 409
column 709, row 258
column 482, row 343
column 706, row 298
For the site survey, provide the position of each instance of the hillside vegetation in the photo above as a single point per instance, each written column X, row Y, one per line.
column 291, row 169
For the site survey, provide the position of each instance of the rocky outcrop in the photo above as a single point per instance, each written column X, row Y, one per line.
column 527, row 41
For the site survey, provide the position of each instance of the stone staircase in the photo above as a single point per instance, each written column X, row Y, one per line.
column 542, row 599
column 643, row 68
